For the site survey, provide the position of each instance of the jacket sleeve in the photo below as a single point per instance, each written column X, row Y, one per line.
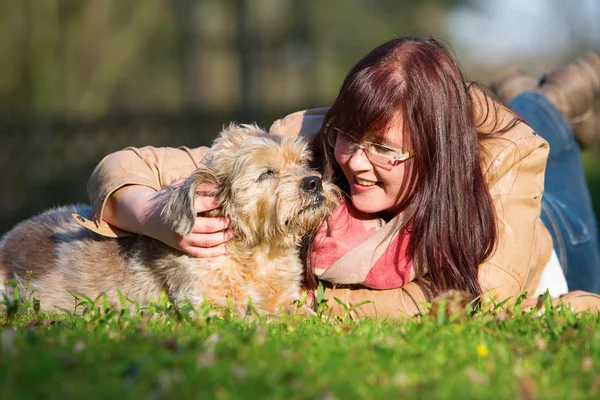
column 148, row 166
column 159, row 167
column 305, row 123
column 514, row 163
column 515, row 177
column 401, row 303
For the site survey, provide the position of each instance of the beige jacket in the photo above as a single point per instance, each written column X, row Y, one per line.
column 514, row 169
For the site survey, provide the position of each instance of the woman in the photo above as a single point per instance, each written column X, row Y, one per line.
column 443, row 185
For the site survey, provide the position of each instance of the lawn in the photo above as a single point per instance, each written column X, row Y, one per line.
column 163, row 352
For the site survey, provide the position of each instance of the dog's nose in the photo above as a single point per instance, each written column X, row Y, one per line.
column 312, row 183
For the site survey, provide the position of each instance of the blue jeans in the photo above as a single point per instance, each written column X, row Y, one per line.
column 566, row 205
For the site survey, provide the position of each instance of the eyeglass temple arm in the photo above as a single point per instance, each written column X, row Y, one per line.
column 403, row 157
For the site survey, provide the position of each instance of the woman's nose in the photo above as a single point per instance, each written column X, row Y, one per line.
column 359, row 161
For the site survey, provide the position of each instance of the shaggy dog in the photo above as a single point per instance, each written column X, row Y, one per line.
column 266, row 188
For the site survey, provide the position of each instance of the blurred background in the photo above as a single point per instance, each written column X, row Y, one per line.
column 82, row 78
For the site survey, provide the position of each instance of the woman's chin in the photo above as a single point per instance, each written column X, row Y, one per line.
column 366, row 205
column 374, row 203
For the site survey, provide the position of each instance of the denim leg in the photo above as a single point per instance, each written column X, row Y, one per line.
column 566, row 205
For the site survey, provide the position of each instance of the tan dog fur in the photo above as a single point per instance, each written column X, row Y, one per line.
column 262, row 189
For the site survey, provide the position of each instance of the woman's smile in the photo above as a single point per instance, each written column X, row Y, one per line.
column 363, row 184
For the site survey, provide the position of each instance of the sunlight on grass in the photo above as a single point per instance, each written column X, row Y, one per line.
column 165, row 351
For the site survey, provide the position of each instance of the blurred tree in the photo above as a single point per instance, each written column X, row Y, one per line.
column 82, row 78
column 89, row 58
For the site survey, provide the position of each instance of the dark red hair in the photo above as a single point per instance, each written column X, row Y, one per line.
column 445, row 203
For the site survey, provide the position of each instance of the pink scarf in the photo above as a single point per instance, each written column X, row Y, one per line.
column 352, row 247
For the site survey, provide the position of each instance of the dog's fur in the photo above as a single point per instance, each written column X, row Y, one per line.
column 265, row 187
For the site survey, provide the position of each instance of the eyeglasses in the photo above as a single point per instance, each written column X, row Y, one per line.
column 378, row 154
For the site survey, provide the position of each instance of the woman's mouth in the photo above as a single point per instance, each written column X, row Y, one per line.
column 363, row 184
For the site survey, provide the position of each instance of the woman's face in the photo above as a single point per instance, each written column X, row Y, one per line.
column 374, row 189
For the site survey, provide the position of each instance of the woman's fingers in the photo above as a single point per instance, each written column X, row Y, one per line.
column 205, row 200
column 203, row 252
column 205, row 203
column 204, row 225
column 207, row 240
column 209, row 234
column 205, row 245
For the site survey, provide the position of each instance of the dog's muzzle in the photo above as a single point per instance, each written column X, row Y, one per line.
column 312, row 184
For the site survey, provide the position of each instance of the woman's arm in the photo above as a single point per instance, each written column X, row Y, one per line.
column 122, row 191
column 133, row 209
column 515, row 177
column 122, row 187
column 305, row 123
column 514, row 163
column 401, row 303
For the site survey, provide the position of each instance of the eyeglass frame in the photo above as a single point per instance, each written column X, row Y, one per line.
column 393, row 161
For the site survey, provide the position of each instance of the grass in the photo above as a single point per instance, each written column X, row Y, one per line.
column 164, row 352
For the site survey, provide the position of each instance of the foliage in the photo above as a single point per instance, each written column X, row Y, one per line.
column 81, row 79
column 167, row 351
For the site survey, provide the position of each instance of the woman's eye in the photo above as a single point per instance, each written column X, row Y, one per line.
column 383, row 150
column 345, row 138
column 269, row 173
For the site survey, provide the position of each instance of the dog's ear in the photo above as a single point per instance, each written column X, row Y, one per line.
column 176, row 202
column 234, row 136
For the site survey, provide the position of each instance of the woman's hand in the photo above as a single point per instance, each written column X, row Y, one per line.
column 134, row 209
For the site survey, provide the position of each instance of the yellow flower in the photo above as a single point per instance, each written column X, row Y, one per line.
column 482, row 350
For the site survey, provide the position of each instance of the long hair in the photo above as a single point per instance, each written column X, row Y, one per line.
column 445, row 202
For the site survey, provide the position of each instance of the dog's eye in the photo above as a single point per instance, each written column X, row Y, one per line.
column 269, row 173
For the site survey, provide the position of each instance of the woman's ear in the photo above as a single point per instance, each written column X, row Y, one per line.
column 176, row 202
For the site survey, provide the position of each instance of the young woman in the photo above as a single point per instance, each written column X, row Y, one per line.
column 442, row 185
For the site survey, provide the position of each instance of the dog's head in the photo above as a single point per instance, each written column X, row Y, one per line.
column 264, row 185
